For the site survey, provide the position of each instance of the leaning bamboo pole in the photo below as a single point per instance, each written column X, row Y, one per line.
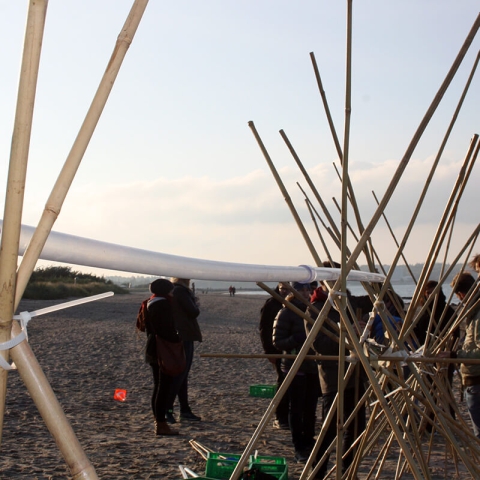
column 29, row 369
column 285, row 194
column 16, row 177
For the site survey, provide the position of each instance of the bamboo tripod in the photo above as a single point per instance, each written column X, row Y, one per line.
column 13, row 281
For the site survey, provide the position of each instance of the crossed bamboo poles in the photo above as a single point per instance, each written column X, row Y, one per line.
column 426, row 385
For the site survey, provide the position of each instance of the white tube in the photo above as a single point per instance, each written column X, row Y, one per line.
column 64, row 248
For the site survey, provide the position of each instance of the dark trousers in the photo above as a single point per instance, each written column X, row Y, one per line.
column 180, row 382
column 162, row 384
column 303, row 396
column 350, row 433
column 283, row 407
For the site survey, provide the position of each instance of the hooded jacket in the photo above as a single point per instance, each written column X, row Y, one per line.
column 185, row 312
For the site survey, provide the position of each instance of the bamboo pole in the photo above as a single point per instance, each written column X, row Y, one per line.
column 317, row 229
column 335, row 138
column 16, row 177
column 286, row 196
column 336, row 358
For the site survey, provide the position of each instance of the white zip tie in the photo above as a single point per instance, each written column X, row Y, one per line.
column 25, row 317
column 331, row 293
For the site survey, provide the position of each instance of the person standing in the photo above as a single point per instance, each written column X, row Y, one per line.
column 462, row 284
column 159, row 321
column 289, row 335
column 185, row 312
column 268, row 313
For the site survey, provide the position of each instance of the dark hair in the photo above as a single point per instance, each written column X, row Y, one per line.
column 331, row 264
column 462, row 282
column 161, row 286
column 429, row 287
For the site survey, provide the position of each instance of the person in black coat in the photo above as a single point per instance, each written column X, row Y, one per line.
column 268, row 313
column 160, row 322
column 185, row 311
column 289, row 335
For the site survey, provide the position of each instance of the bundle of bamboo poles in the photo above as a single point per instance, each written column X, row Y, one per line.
column 401, row 407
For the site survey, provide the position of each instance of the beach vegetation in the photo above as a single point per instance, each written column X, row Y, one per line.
column 51, row 283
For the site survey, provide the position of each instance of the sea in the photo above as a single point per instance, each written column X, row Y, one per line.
column 405, row 290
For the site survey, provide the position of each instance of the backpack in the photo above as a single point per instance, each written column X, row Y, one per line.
column 142, row 316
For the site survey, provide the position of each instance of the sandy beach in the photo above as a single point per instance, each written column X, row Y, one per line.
column 90, row 350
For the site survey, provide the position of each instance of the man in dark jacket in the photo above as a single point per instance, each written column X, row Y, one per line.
column 267, row 316
column 289, row 336
column 185, row 312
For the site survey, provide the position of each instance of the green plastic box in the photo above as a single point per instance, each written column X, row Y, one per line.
column 264, row 391
column 221, row 465
column 275, row 466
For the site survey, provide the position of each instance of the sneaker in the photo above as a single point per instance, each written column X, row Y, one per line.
column 280, row 425
column 189, row 416
column 169, row 417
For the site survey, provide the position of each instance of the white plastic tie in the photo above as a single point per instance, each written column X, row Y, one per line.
column 333, row 293
column 25, row 317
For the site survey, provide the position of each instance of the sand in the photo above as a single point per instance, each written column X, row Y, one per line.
column 90, row 350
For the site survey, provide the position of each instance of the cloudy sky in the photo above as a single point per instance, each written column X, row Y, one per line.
column 173, row 166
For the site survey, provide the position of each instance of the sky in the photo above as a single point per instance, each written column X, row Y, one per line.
column 173, row 166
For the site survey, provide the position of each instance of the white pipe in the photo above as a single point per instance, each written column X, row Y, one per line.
column 64, row 248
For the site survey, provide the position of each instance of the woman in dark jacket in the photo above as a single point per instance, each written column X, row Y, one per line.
column 289, row 336
column 160, row 322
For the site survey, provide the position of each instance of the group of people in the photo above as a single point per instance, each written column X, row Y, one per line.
column 284, row 330
column 172, row 313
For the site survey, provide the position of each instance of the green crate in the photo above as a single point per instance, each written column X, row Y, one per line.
column 276, row 466
column 264, row 391
column 221, row 465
